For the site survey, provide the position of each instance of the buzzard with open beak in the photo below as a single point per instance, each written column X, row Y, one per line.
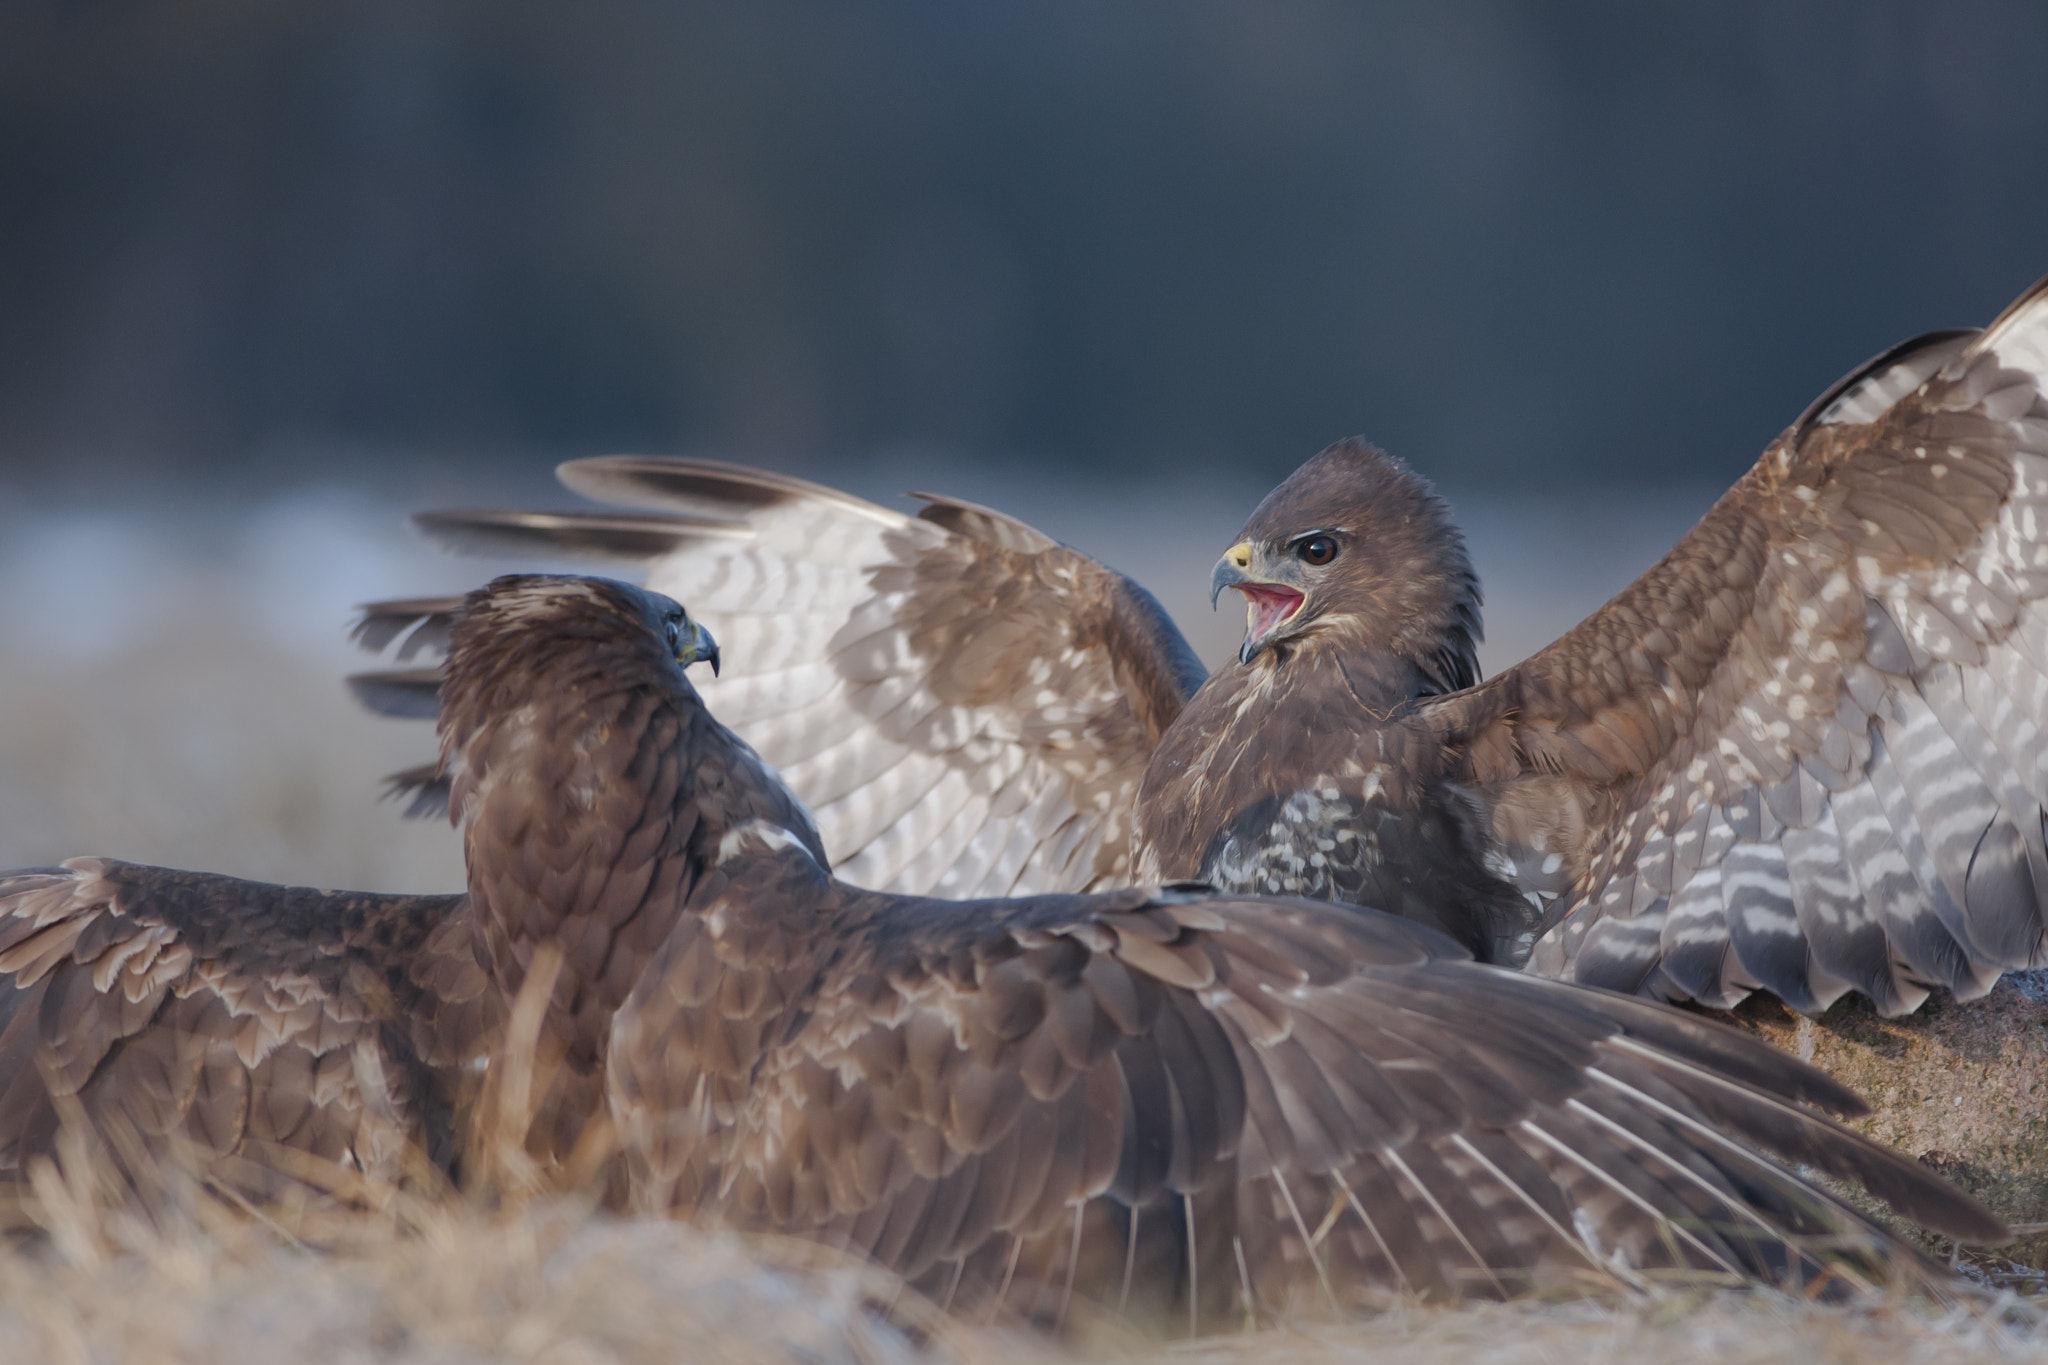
column 1801, row 754
column 1275, row 585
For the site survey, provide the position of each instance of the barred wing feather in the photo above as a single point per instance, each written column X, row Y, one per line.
column 1805, row 752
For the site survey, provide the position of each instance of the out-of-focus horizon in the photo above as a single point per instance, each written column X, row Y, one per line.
column 272, row 277
column 1520, row 245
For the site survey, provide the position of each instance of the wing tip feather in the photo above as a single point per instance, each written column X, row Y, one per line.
column 693, row 487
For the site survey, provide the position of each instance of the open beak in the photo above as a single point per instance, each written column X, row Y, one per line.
column 699, row 647
column 1230, row 570
column 1268, row 605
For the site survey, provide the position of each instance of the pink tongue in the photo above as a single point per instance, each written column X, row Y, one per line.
column 1269, row 607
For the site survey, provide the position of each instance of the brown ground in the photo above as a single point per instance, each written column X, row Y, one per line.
column 1962, row 1086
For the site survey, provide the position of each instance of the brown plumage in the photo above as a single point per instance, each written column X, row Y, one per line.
column 1186, row 1107
column 965, row 706
column 1806, row 750
column 1804, row 753
column 233, row 1019
column 1299, row 769
column 1799, row 753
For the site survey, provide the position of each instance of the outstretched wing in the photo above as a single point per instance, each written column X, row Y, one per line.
column 1175, row 1104
column 248, row 1022
column 1808, row 751
column 965, row 706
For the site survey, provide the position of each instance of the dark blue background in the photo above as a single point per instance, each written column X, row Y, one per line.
column 1522, row 245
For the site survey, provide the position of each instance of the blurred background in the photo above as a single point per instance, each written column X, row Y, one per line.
column 272, row 276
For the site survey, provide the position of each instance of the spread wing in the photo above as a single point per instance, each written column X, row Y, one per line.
column 1177, row 1105
column 965, row 706
column 245, row 1021
column 1805, row 752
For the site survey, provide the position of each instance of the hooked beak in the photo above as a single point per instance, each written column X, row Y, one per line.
column 698, row 647
column 1268, row 605
column 1230, row 570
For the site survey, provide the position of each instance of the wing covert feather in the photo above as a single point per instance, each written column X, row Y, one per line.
column 998, row 1099
column 1802, row 753
column 233, row 1017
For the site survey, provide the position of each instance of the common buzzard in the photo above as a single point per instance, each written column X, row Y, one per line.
column 1186, row 1106
column 1804, row 753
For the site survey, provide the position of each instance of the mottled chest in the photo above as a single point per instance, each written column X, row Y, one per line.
column 1320, row 842
column 1411, row 852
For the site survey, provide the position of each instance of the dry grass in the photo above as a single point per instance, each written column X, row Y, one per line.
column 513, row 1270
column 1721, row 1329
column 553, row 1283
column 549, row 1283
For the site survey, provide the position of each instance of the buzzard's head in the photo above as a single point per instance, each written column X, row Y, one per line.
column 1357, row 545
column 545, row 614
column 529, row 640
column 531, row 658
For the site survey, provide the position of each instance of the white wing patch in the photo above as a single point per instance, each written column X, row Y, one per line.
column 911, row 793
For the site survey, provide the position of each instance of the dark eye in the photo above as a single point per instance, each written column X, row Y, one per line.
column 1317, row 549
column 675, row 634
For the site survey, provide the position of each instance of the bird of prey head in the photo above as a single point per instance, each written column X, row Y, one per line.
column 515, row 612
column 528, row 636
column 1354, row 543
